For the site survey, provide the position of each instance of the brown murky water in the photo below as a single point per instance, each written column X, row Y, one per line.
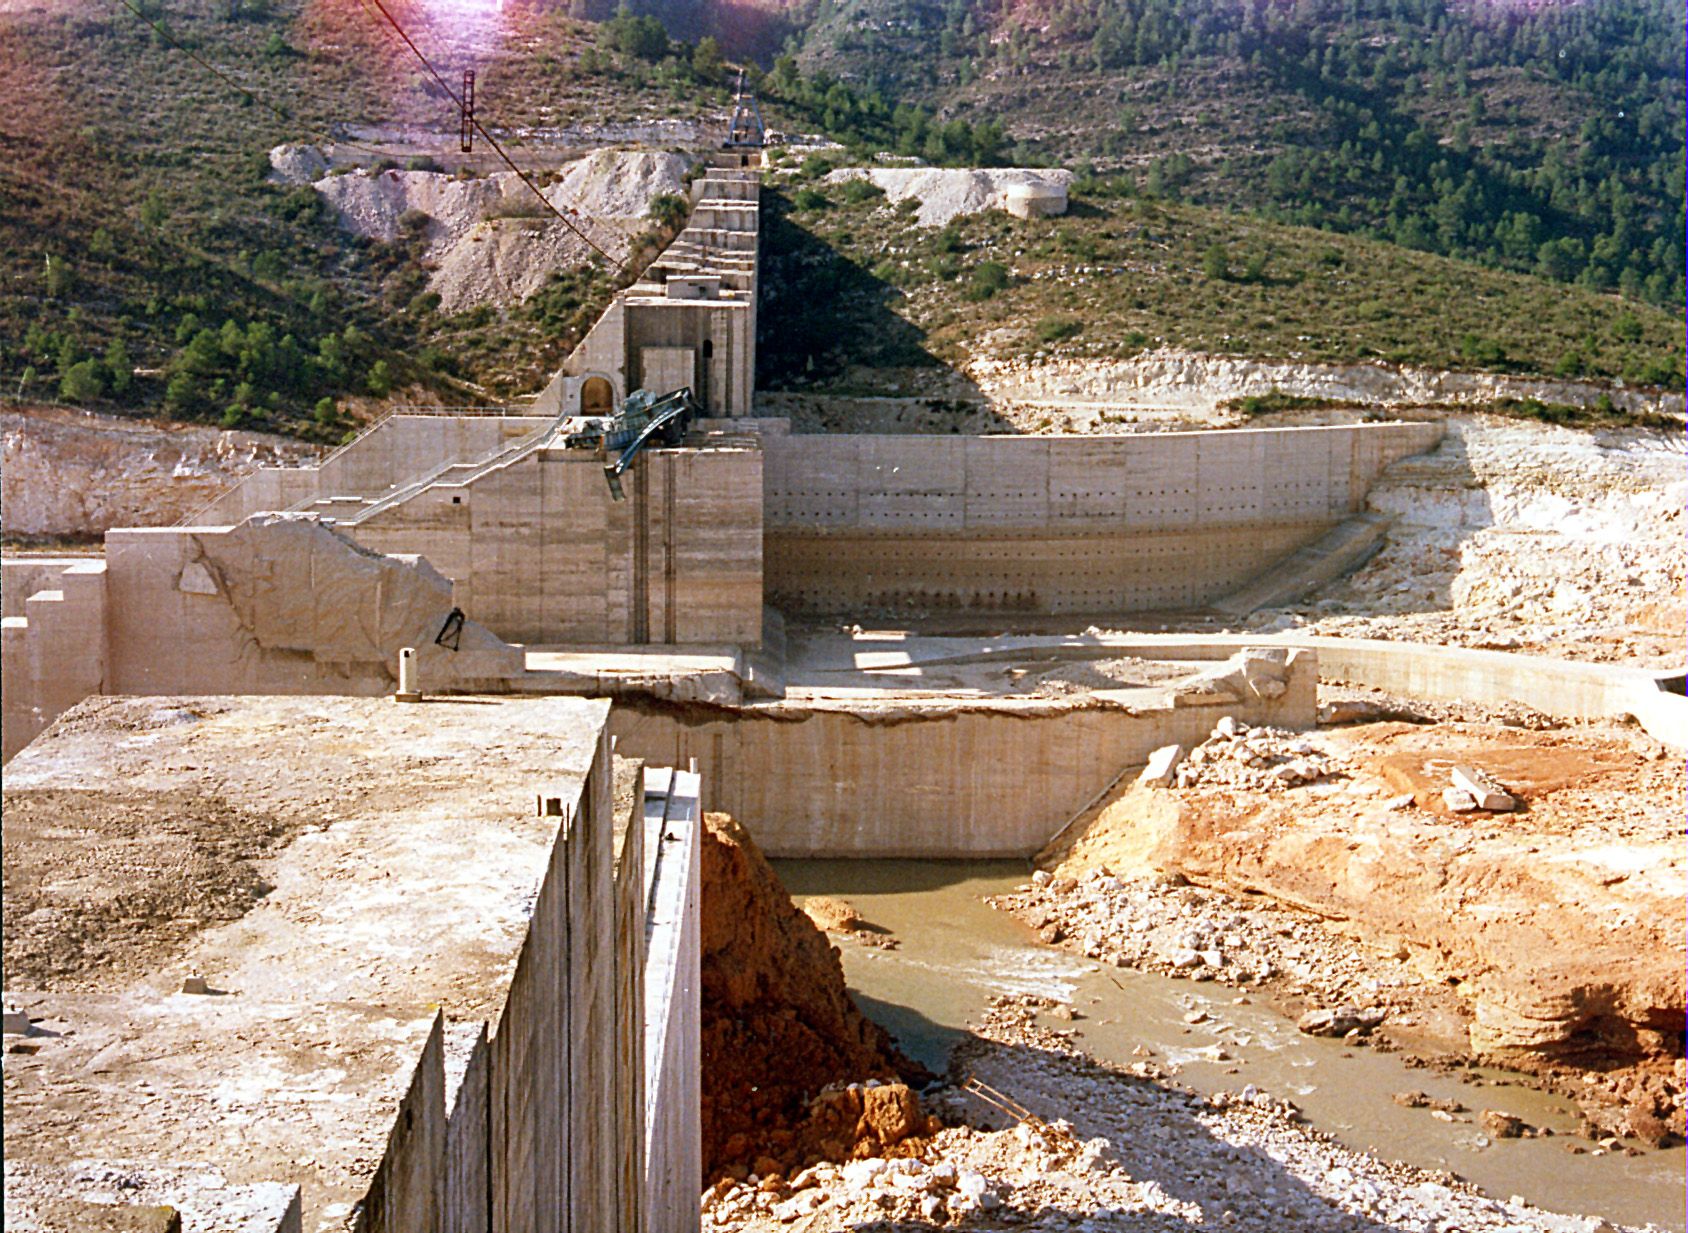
column 956, row 952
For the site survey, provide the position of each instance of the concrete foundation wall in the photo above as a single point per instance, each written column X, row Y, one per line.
column 541, row 554
column 55, row 654
column 673, row 1012
column 405, row 1195
column 1051, row 525
column 935, row 781
column 465, row 1198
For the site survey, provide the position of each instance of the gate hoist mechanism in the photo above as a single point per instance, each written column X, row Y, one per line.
column 745, row 131
column 645, row 417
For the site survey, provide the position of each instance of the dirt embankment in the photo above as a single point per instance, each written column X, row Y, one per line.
column 73, row 475
column 1557, row 927
column 779, row 1027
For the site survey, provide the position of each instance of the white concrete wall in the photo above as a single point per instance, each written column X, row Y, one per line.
column 929, row 780
column 539, row 552
column 860, row 523
column 55, row 654
column 673, row 1013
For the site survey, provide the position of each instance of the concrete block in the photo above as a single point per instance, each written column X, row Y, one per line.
column 1482, row 789
column 1458, row 800
column 1162, row 764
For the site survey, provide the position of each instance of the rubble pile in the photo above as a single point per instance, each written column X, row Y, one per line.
column 1164, row 924
column 1237, row 756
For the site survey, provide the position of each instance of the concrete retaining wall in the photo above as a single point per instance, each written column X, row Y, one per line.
column 673, row 1012
column 1051, row 525
column 951, row 780
column 541, row 554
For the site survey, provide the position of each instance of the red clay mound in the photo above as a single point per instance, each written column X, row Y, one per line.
column 778, row 1023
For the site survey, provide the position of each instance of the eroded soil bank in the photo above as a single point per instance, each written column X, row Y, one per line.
column 1548, row 939
column 779, row 1030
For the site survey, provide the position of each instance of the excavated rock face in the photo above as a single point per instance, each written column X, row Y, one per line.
column 779, row 1026
column 75, row 475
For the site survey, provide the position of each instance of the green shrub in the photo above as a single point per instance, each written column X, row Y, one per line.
column 855, row 192
column 809, row 199
column 1483, row 351
column 119, row 367
column 1057, row 329
column 987, row 279
column 82, row 382
column 1216, row 262
column 816, row 166
column 669, row 210
column 1276, row 400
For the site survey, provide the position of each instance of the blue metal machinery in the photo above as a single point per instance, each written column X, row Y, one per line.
column 645, row 417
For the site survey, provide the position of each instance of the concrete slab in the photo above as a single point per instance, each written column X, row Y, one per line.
column 343, row 873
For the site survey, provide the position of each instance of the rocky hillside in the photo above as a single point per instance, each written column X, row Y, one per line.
column 859, row 281
column 779, row 1026
column 1546, row 139
column 70, row 476
column 150, row 260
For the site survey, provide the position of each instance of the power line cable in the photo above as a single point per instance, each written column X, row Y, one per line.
column 251, row 95
column 481, row 129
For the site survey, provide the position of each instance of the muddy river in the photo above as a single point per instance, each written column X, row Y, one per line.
column 956, row 952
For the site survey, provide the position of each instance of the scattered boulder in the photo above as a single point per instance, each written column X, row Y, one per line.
column 1485, row 793
column 1502, row 1125
column 1340, row 1021
column 1162, row 763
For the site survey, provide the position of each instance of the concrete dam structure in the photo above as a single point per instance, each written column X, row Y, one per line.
column 526, row 1058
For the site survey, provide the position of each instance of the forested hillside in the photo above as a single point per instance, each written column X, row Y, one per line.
column 1547, row 140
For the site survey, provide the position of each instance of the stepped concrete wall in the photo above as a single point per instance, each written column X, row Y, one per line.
column 863, row 523
column 398, row 450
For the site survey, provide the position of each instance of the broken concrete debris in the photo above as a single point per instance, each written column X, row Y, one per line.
column 1484, row 792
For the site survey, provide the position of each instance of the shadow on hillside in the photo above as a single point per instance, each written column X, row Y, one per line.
column 822, row 314
column 1162, row 1142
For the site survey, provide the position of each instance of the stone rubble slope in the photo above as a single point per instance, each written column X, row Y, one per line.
column 1105, row 1149
column 946, row 193
column 487, row 240
column 1548, row 940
